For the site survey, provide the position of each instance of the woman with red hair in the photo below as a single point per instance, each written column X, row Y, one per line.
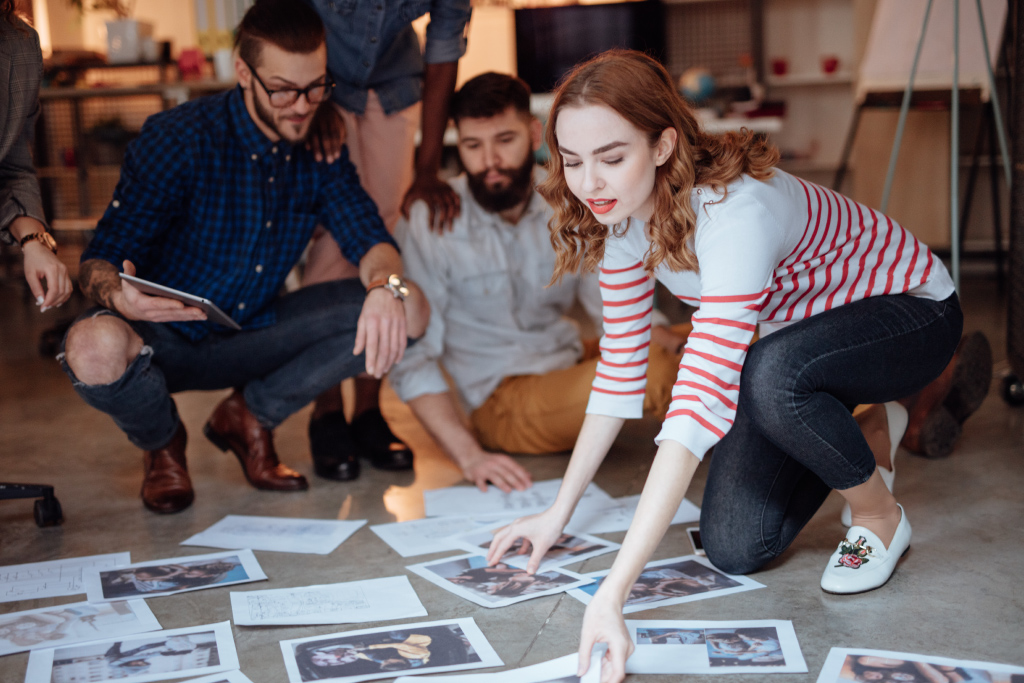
column 851, row 309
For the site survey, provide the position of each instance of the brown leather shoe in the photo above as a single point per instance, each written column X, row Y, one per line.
column 939, row 410
column 233, row 427
column 166, row 487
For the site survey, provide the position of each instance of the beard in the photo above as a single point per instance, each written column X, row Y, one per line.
column 266, row 115
column 494, row 201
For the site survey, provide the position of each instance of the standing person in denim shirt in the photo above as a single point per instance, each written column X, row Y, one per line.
column 386, row 89
column 218, row 198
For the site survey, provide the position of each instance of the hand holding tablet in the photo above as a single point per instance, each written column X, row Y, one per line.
column 149, row 301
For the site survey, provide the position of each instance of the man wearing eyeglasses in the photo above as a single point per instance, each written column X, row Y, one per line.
column 218, row 198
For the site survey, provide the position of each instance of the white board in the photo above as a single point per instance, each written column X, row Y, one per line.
column 896, row 29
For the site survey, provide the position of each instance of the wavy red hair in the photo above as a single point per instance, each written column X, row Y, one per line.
column 640, row 90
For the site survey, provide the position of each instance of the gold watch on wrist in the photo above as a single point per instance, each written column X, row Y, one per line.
column 44, row 237
column 394, row 284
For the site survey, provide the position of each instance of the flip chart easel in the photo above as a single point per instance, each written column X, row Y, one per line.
column 934, row 62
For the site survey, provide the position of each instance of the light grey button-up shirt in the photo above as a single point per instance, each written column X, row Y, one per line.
column 492, row 315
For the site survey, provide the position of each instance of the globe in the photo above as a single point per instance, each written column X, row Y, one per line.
column 697, row 84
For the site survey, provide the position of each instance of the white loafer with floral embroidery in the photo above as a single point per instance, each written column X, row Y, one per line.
column 862, row 562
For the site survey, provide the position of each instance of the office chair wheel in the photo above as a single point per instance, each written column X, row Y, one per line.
column 1013, row 390
column 47, row 512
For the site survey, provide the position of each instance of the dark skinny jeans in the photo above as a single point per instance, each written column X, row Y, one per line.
column 794, row 438
column 279, row 368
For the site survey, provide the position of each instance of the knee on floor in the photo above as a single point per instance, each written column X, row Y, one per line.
column 731, row 552
column 99, row 349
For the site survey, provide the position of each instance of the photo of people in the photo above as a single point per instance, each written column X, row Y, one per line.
column 185, row 652
column 743, row 646
column 74, row 623
column 672, row 581
column 176, row 575
column 887, row 669
column 497, row 586
column 669, row 636
column 687, row 647
column 387, row 652
column 568, row 549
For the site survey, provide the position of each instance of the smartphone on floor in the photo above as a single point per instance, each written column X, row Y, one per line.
column 694, row 534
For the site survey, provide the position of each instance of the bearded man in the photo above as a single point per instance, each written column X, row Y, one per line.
column 521, row 371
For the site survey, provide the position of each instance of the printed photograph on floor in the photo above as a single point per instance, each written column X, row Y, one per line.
column 450, row 645
column 693, row 647
column 497, row 586
column 173, row 575
column 845, row 665
column 179, row 653
column 74, row 623
column 569, row 548
column 669, row 582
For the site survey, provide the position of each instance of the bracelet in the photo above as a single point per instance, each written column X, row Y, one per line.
column 394, row 284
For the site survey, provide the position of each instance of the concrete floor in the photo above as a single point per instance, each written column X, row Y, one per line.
column 956, row 594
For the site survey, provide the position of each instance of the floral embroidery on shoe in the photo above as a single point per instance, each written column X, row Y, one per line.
column 854, row 554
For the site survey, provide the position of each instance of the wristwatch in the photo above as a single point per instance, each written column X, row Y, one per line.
column 44, row 237
column 394, row 284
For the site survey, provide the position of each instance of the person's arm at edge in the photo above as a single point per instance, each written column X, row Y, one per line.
column 667, row 482
column 542, row 530
column 438, row 414
column 438, row 87
column 21, row 205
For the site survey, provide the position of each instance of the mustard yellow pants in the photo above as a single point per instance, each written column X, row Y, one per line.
column 544, row 413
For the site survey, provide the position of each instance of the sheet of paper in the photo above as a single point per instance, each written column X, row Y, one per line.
column 351, row 656
column 53, row 579
column 846, row 665
column 714, row 647
column 355, row 602
column 561, row 670
column 280, row 534
column 471, row 501
column 173, row 575
column 78, row 622
column 468, row 576
column 570, row 548
column 179, row 653
column 670, row 582
column 433, row 534
column 226, row 677
column 618, row 517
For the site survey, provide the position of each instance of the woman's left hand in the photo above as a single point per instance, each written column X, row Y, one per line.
column 603, row 623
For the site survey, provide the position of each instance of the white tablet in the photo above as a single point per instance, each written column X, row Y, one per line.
column 213, row 313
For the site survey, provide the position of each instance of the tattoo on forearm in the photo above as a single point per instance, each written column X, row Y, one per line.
column 99, row 281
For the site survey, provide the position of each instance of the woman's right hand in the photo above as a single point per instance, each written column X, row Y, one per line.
column 539, row 532
column 603, row 623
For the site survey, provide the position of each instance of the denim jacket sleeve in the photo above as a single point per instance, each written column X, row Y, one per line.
column 446, row 33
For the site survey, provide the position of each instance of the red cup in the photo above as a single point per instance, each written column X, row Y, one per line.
column 829, row 64
column 780, row 66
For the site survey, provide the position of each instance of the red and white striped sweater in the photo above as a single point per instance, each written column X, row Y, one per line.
column 770, row 253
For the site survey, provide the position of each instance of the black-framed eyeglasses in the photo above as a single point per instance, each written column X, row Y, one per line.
column 285, row 97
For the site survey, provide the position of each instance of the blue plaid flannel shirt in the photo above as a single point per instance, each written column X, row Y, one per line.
column 207, row 204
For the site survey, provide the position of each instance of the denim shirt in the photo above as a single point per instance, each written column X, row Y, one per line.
column 371, row 45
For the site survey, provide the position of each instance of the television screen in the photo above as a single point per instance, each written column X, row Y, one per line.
column 551, row 40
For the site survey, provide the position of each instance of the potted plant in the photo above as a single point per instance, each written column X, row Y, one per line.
column 125, row 35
